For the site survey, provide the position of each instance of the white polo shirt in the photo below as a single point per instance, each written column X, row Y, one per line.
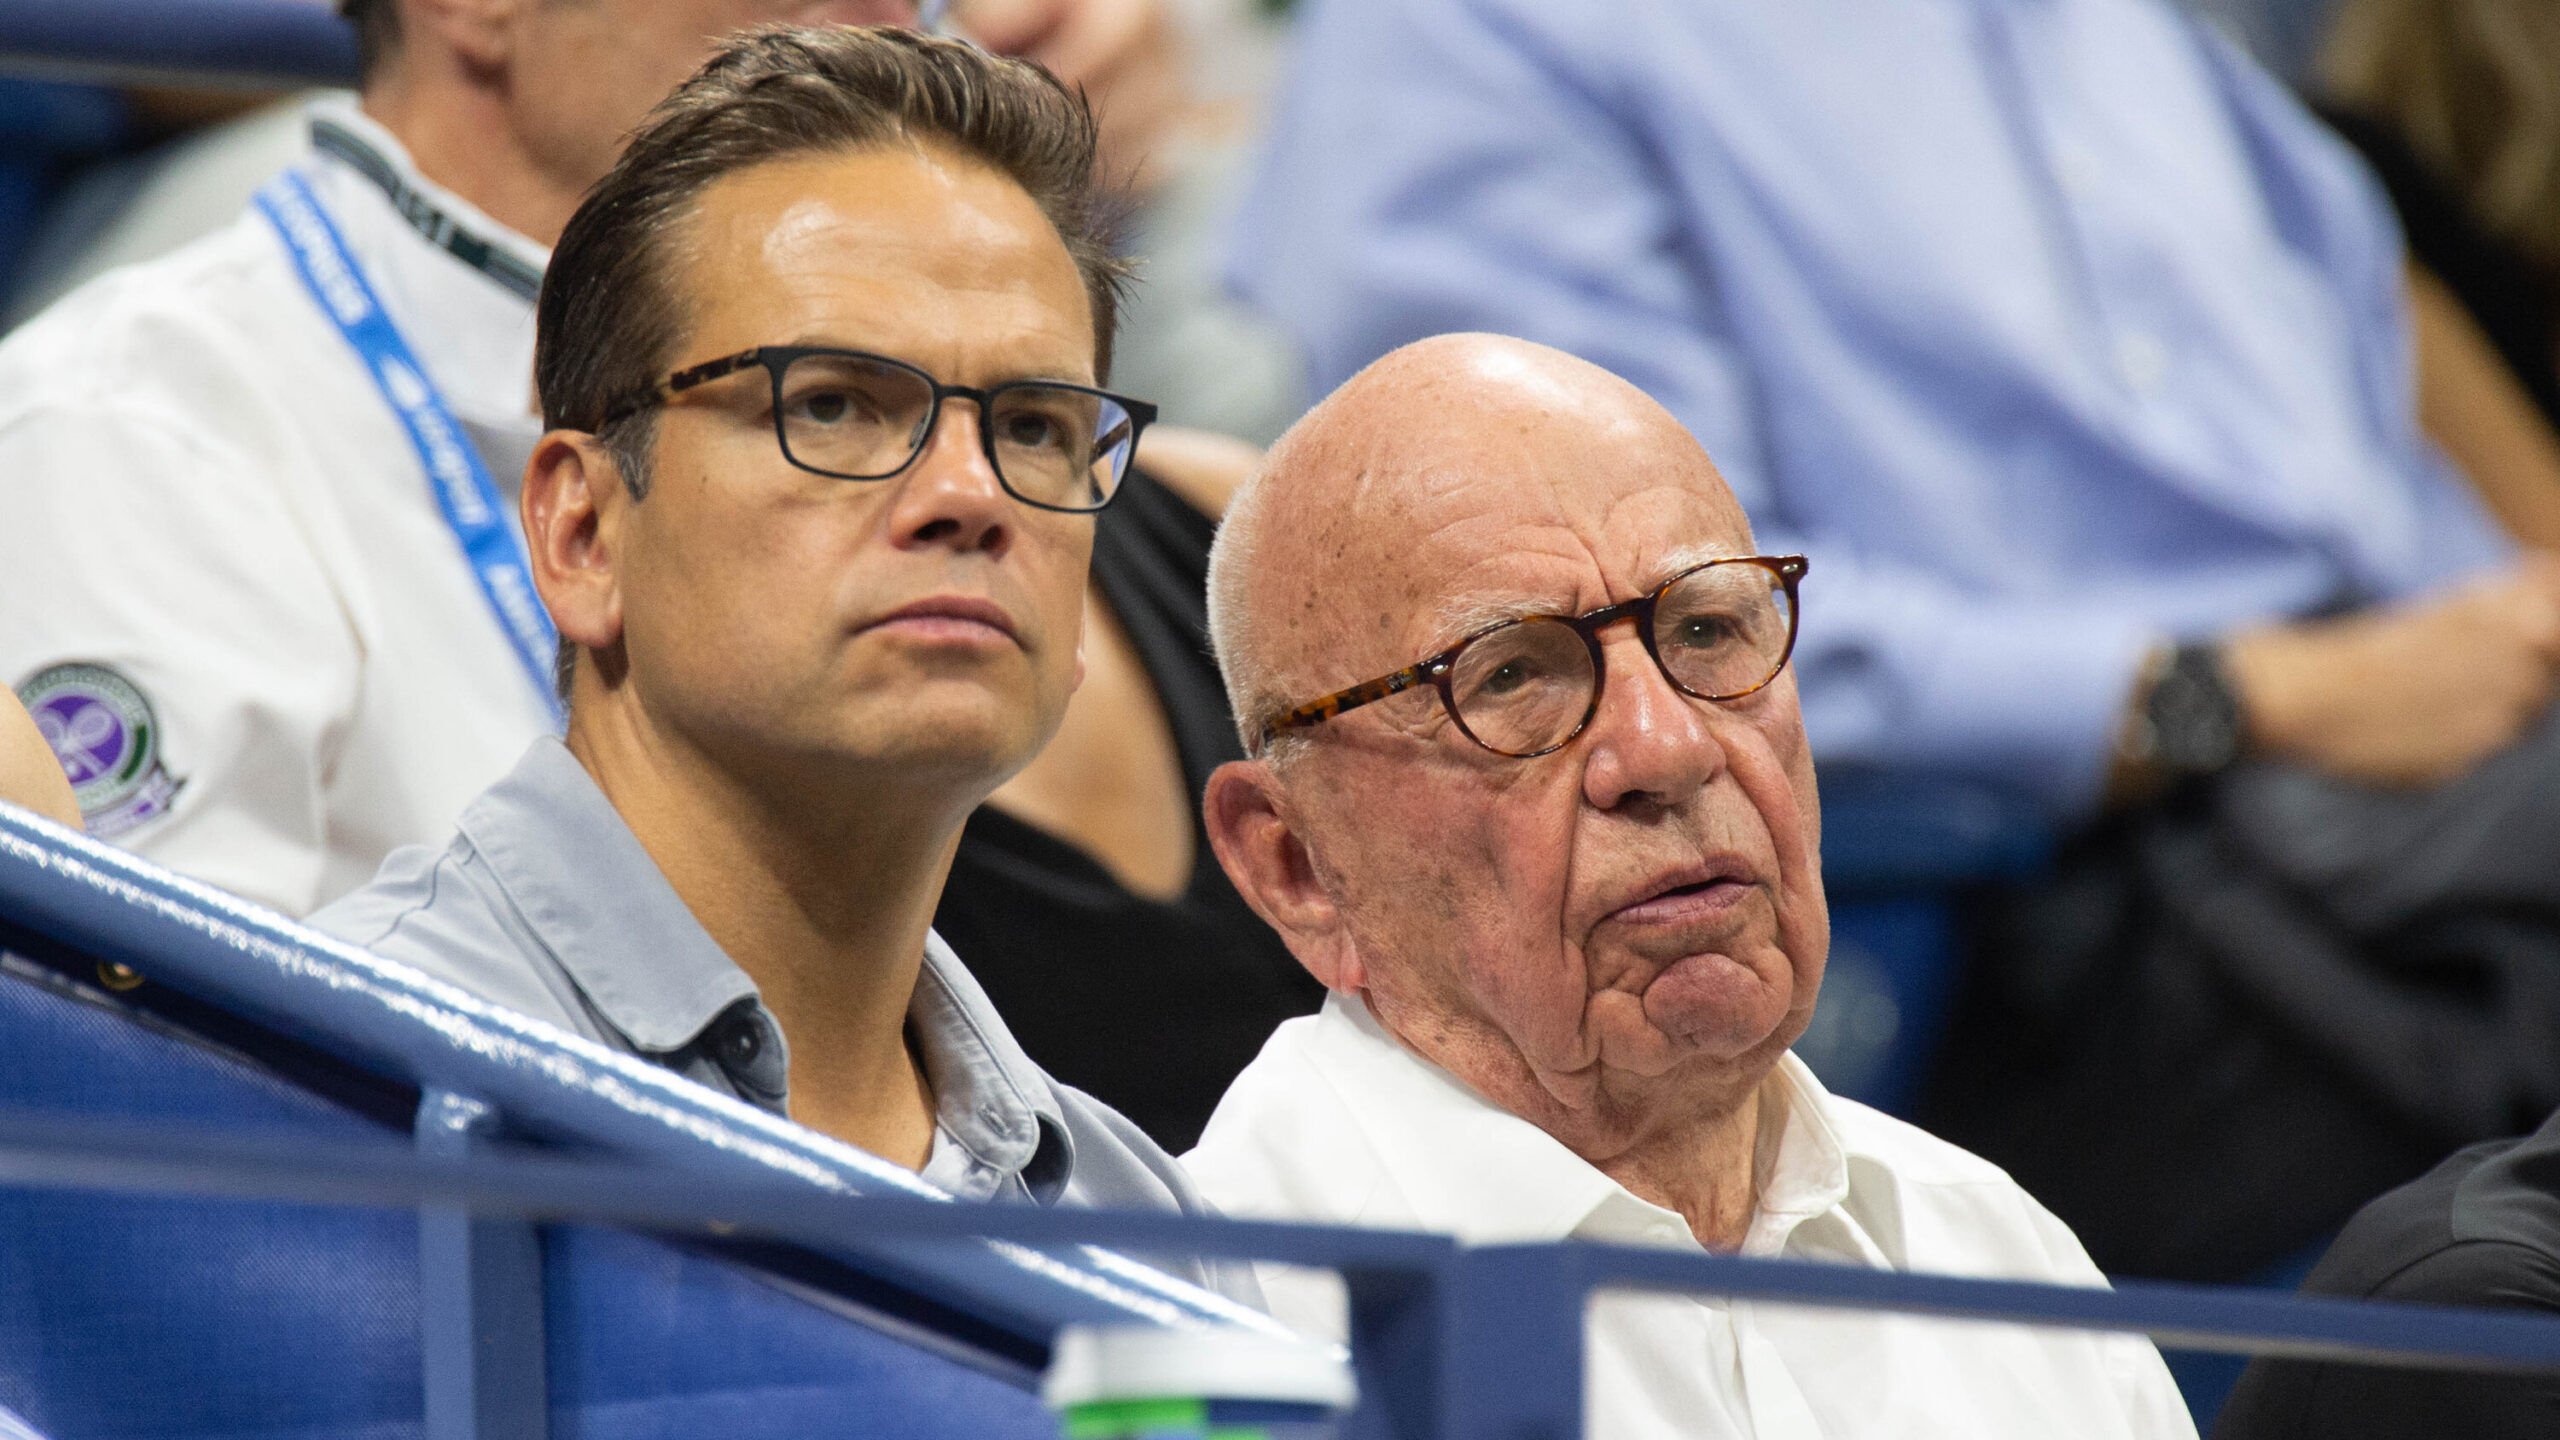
column 226, row 590
column 1335, row 1122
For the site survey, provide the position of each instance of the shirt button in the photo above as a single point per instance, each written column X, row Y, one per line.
column 743, row 1042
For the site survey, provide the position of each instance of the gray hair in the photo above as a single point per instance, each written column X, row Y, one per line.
column 1242, row 651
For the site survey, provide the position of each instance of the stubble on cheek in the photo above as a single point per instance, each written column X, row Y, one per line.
column 1460, row 963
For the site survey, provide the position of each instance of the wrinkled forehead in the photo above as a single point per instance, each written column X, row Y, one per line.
column 1432, row 552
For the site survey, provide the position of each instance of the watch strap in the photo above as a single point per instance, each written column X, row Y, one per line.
column 2193, row 714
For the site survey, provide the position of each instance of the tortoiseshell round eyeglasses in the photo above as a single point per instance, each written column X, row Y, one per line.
column 1527, row 687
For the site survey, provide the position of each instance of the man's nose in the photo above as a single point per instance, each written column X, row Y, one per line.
column 951, row 495
column 1650, row 744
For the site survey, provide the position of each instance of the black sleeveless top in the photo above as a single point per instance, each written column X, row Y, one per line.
column 1150, row 1006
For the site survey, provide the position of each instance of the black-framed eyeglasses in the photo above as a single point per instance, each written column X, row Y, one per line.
column 1527, row 687
column 855, row 416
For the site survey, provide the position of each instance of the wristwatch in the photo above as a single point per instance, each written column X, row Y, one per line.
column 2190, row 716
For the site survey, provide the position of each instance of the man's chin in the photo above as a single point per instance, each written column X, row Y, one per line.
column 1713, row 1006
column 991, row 753
column 940, row 746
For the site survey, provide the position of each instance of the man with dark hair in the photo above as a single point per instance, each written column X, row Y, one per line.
column 255, row 543
column 820, row 355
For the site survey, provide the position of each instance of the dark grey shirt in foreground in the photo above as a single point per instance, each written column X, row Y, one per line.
column 2483, row 1230
column 546, row 903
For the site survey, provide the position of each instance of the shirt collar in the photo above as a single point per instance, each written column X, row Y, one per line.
column 998, row 1110
column 1465, row 1166
column 593, row 897
column 1803, row 1164
column 473, row 333
column 1487, row 1176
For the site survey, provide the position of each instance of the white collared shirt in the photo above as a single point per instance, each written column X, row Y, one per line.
column 1336, row 1122
column 271, row 663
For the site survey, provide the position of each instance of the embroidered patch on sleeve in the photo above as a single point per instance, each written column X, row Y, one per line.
column 102, row 729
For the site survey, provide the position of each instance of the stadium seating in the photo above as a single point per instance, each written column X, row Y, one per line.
column 245, row 1297
column 777, row 1281
column 130, row 995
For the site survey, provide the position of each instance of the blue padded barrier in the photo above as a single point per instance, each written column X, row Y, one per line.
column 88, row 1283
column 242, row 1019
column 1483, row 1342
column 256, row 43
column 393, row 1022
column 143, row 1315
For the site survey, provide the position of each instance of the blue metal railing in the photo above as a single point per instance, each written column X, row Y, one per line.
column 1450, row 1342
column 399, row 1023
column 1453, row 1343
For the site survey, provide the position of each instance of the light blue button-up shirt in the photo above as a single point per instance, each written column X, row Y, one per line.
column 546, row 903
column 2048, row 328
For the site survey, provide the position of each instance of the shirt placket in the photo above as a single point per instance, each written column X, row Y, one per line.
column 1771, row 1397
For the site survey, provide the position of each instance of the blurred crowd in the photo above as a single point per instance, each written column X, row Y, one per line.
column 2161, row 407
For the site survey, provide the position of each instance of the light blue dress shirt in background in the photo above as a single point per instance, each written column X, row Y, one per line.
column 2048, row 328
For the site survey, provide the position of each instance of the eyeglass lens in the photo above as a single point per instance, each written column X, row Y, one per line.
column 1720, row 632
column 862, row 419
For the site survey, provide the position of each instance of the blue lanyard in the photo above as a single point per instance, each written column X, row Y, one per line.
column 473, row 509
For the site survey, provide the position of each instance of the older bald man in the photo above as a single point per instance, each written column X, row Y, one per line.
column 1530, row 794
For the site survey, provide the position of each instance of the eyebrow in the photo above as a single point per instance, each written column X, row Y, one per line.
column 1026, row 377
column 1460, row 616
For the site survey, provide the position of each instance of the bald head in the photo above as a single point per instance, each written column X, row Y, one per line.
column 1607, row 928
column 1330, row 546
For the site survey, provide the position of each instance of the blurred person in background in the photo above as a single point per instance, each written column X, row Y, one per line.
column 246, row 581
column 2281, row 35
column 2077, row 357
column 2480, row 1230
column 1181, row 109
column 2456, row 105
column 255, row 527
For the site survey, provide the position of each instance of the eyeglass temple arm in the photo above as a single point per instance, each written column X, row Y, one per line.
column 1315, row 712
column 678, row 383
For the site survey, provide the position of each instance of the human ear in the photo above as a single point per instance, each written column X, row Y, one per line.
column 480, row 32
column 573, row 506
column 1253, row 828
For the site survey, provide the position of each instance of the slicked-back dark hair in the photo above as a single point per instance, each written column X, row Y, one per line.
column 610, row 318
